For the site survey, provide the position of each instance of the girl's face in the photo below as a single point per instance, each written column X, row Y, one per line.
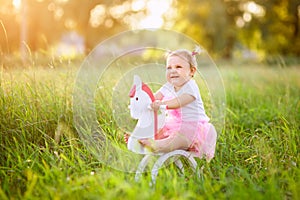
column 178, row 71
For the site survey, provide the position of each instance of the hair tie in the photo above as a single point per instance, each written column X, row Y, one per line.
column 196, row 51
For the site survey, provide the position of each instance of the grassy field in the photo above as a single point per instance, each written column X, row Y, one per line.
column 257, row 155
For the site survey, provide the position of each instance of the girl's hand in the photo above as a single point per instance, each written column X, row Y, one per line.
column 156, row 105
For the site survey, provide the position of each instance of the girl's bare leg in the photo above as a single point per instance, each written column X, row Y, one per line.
column 160, row 135
column 177, row 141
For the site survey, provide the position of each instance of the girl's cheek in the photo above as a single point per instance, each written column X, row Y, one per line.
column 179, row 70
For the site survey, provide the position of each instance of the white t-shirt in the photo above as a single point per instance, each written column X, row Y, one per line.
column 193, row 111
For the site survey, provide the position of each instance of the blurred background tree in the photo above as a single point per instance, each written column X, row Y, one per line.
column 226, row 28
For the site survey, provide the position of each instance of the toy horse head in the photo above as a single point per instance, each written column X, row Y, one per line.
column 141, row 97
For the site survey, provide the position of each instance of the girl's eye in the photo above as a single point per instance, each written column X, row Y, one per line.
column 178, row 67
column 136, row 98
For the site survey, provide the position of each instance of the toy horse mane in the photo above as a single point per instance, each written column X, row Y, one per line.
column 145, row 88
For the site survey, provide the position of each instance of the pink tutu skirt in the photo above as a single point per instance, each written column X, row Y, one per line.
column 201, row 134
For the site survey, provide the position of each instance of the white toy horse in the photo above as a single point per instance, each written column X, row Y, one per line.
column 149, row 121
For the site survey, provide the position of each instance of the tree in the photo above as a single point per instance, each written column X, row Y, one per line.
column 206, row 22
column 267, row 27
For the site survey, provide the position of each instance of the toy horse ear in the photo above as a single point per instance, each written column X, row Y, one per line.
column 137, row 84
column 137, row 81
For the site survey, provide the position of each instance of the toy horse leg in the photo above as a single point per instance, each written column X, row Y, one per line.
column 179, row 164
column 144, row 162
column 162, row 159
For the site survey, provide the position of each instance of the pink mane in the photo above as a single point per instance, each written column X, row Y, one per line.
column 145, row 88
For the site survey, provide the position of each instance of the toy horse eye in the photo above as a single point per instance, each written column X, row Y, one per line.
column 136, row 98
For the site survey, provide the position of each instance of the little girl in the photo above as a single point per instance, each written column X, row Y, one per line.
column 186, row 126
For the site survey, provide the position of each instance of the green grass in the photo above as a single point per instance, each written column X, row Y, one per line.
column 257, row 155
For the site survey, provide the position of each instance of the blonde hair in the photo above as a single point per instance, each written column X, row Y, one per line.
column 186, row 55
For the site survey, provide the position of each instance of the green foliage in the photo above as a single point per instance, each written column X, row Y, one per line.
column 271, row 27
column 257, row 153
column 265, row 27
column 277, row 32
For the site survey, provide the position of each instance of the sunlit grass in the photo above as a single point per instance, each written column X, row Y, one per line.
column 42, row 157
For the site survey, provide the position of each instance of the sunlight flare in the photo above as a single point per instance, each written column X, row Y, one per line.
column 155, row 10
column 17, row 4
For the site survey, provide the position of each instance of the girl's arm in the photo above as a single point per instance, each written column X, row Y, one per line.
column 177, row 102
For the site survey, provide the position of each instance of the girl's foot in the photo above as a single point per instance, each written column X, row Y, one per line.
column 148, row 143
